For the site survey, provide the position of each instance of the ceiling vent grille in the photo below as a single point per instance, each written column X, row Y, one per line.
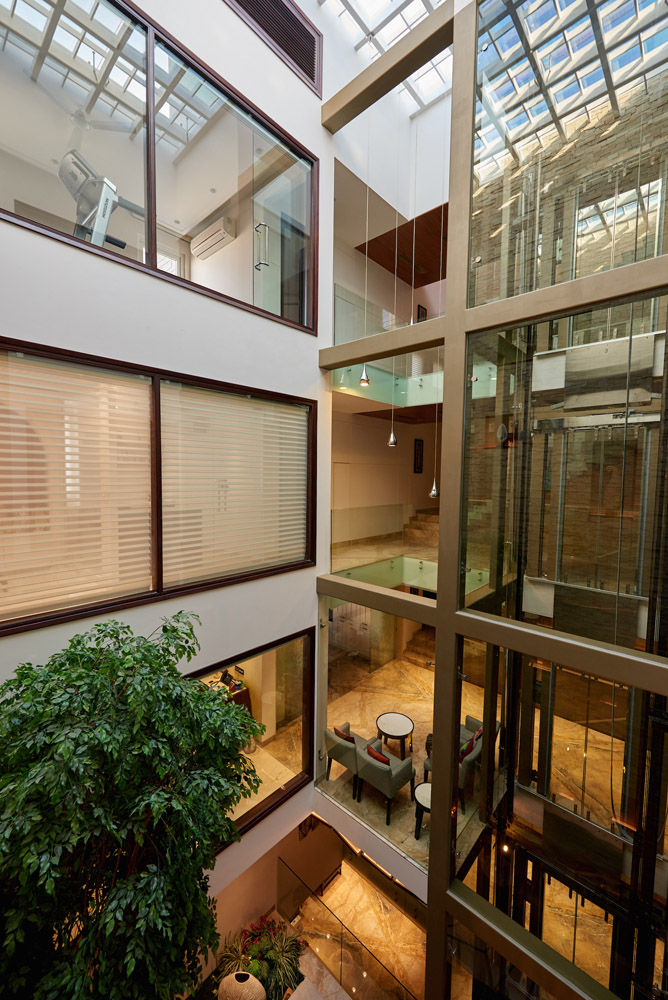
column 289, row 33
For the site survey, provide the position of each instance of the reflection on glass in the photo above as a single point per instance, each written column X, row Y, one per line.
column 576, row 785
column 378, row 663
column 384, row 509
column 233, row 203
column 271, row 686
column 569, row 142
column 562, row 463
column 72, row 118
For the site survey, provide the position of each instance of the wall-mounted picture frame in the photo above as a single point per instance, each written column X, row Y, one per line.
column 418, row 455
column 421, row 313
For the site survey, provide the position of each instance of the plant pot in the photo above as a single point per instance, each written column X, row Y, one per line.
column 241, row 986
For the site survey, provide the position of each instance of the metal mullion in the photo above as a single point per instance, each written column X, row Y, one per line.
column 614, row 663
column 448, row 645
column 418, row 609
column 615, row 286
column 384, row 21
column 543, row 965
column 149, row 139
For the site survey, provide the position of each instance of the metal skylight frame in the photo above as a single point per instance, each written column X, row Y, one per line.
column 375, row 38
column 581, row 79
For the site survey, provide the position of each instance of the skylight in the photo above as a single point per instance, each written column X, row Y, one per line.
column 374, row 25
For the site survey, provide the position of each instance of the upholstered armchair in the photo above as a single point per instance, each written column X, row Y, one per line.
column 469, row 764
column 342, row 746
column 388, row 778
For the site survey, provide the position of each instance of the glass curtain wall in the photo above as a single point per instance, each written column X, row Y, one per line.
column 568, row 801
column 570, row 150
column 564, row 466
column 234, row 203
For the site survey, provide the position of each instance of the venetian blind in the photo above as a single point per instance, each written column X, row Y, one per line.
column 75, row 480
column 234, row 483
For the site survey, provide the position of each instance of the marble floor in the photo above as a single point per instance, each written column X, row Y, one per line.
column 346, row 555
column 276, row 762
column 399, row 685
column 396, row 940
column 364, row 940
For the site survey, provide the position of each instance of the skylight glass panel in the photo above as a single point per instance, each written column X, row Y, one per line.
column 536, row 19
column 106, row 16
column 64, row 38
column 567, row 90
column 618, row 16
column 657, row 39
column 626, row 57
column 581, row 35
column 30, row 15
column 590, row 76
column 553, row 55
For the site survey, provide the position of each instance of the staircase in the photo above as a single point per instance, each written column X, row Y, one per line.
column 422, row 530
column 421, row 650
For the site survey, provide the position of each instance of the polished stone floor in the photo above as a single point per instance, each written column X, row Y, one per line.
column 276, row 762
column 396, row 940
column 346, row 555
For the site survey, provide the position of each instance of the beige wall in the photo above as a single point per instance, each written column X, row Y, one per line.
column 367, row 474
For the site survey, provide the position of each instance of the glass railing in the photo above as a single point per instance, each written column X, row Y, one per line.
column 352, row 965
column 390, row 545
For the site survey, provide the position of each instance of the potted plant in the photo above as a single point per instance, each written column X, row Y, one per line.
column 117, row 782
column 269, row 952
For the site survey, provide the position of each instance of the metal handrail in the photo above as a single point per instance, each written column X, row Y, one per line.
column 364, row 948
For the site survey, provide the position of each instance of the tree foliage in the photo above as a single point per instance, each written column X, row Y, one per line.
column 117, row 779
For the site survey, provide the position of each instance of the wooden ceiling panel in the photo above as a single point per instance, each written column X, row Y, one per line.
column 429, row 231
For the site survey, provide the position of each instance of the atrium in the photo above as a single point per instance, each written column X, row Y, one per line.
column 341, row 324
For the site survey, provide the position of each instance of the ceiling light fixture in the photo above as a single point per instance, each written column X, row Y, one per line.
column 364, row 378
column 392, row 440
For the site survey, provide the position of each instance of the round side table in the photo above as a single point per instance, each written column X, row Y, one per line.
column 422, row 805
column 395, row 726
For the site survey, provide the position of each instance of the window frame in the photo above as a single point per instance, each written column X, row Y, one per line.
column 24, row 623
column 263, row 809
column 154, row 34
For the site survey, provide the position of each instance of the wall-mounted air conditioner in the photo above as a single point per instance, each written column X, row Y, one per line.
column 213, row 238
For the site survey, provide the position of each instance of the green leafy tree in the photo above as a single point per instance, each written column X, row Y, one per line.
column 117, row 779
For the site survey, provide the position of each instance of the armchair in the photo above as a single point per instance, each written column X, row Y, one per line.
column 344, row 750
column 387, row 778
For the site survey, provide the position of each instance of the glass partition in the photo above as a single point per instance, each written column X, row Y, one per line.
column 275, row 685
column 72, row 120
column 376, row 738
column 386, row 445
column 351, row 964
column 391, row 214
column 564, row 456
column 569, row 141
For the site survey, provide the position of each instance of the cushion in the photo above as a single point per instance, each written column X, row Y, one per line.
column 466, row 748
column 380, row 757
column 478, row 734
column 344, row 736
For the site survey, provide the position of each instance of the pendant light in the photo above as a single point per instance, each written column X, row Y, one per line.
column 434, row 493
column 364, row 378
column 392, row 440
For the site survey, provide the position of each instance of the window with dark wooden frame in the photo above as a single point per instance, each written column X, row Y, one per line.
column 275, row 683
column 193, row 183
column 121, row 485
